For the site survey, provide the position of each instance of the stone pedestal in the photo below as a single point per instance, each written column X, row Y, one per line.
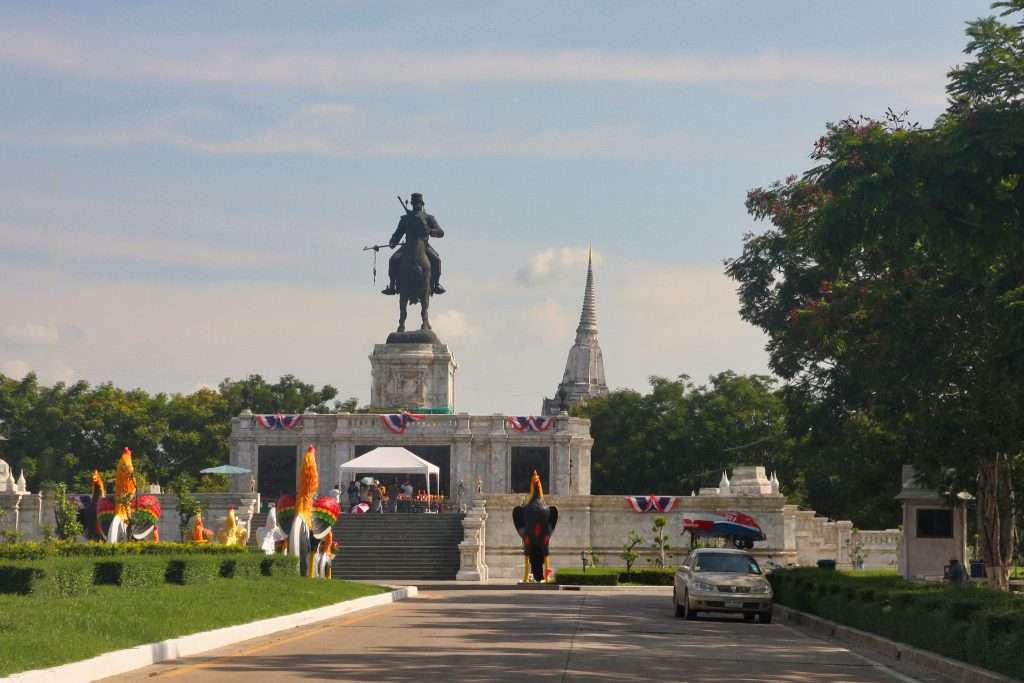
column 472, row 562
column 412, row 375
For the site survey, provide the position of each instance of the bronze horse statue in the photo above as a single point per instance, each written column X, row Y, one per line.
column 414, row 272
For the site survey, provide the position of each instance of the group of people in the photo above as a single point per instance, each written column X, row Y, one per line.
column 374, row 495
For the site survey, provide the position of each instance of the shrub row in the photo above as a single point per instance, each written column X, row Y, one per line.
column 612, row 576
column 40, row 551
column 67, row 576
column 972, row 624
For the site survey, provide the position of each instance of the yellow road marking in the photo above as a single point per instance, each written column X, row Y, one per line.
column 262, row 648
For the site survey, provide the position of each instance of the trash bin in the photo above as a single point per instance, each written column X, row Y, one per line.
column 978, row 569
column 827, row 564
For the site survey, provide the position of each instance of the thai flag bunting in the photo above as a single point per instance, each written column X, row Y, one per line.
column 279, row 421
column 652, row 503
column 397, row 422
column 530, row 423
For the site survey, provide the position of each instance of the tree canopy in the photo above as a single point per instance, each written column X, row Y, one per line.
column 890, row 281
column 61, row 433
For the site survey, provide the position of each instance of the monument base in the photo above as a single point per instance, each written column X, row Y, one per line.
column 412, row 370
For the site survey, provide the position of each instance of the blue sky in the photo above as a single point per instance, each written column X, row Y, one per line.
column 184, row 192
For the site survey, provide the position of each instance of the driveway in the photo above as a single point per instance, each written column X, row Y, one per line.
column 525, row 636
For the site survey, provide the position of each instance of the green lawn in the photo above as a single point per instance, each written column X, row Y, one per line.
column 37, row 632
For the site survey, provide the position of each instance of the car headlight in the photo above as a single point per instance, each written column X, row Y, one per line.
column 704, row 586
column 761, row 588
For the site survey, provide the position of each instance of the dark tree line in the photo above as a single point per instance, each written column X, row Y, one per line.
column 679, row 437
column 61, row 433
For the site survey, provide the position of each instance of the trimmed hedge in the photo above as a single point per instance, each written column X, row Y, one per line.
column 613, row 576
column 279, row 565
column 56, row 578
column 972, row 624
column 135, row 572
column 650, row 576
column 598, row 576
column 193, row 570
column 41, row 551
column 64, row 576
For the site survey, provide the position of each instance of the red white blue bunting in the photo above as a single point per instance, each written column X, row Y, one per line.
column 652, row 503
column 530, row 423
column 397, row 422
column 279, row 421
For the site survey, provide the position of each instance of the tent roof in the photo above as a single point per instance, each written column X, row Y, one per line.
column 388, row 459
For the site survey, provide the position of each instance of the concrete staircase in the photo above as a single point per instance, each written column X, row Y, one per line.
column 259, row 520
column 405, row 547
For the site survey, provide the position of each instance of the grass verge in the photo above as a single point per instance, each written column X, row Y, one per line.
column 35, row 634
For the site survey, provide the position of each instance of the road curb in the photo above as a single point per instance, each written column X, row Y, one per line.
column 961, row 672
column 122, row 661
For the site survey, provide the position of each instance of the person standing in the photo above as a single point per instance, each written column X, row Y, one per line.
column 376, row 504
column 353, row 494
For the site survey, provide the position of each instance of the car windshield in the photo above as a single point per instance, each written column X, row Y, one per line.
column 715, row 562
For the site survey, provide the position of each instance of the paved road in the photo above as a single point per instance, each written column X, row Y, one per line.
column 527, row 636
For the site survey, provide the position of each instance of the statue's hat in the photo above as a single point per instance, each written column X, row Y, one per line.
column 416, row 197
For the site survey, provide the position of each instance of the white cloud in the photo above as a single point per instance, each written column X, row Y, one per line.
column 29, row 335
column 96, row 56
column 78, row 245
column 455, row 325
column 550, row 323
column 551, row 263
column 15, row 369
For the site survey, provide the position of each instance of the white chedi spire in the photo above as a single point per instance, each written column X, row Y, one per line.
column 12, row 485
column 775, row 483
column 583, row 378
column 724, row 485
column 21, row 482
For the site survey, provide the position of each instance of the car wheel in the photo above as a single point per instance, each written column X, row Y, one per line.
column 688, row 613
column 676, row 605
column 748, row 617
column 764, row 618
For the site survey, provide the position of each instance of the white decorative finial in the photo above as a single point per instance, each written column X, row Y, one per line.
column 21, row 482
column 723, row 485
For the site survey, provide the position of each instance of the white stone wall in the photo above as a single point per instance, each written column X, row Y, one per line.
column 480, row 447
column 603, row 523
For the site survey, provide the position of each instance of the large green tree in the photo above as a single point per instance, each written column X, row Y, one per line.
column 680, row 436
column 891, row 280
column 61, row 433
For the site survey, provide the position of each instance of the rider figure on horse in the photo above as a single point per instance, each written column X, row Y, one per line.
column 416, row 220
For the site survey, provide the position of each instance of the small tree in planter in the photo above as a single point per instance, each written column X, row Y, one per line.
column 856, row 546
column 65, row 514
column 660, row 542
column 629, row 554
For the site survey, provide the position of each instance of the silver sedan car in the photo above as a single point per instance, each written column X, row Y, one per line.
column 722, row 580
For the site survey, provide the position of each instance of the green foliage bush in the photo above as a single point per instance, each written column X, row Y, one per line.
column 279, row 565
column 651, row 577
column 39, row 551
column 598, row 576
column 194, row 570
column 248, row 566
column 57, row 577
column 973, row 624
column 62, row 576
column 613, row 576
column 132, row 572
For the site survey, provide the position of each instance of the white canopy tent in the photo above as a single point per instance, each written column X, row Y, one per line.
column 391, row 460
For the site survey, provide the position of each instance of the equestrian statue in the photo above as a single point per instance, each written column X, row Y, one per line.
column 414, row 271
